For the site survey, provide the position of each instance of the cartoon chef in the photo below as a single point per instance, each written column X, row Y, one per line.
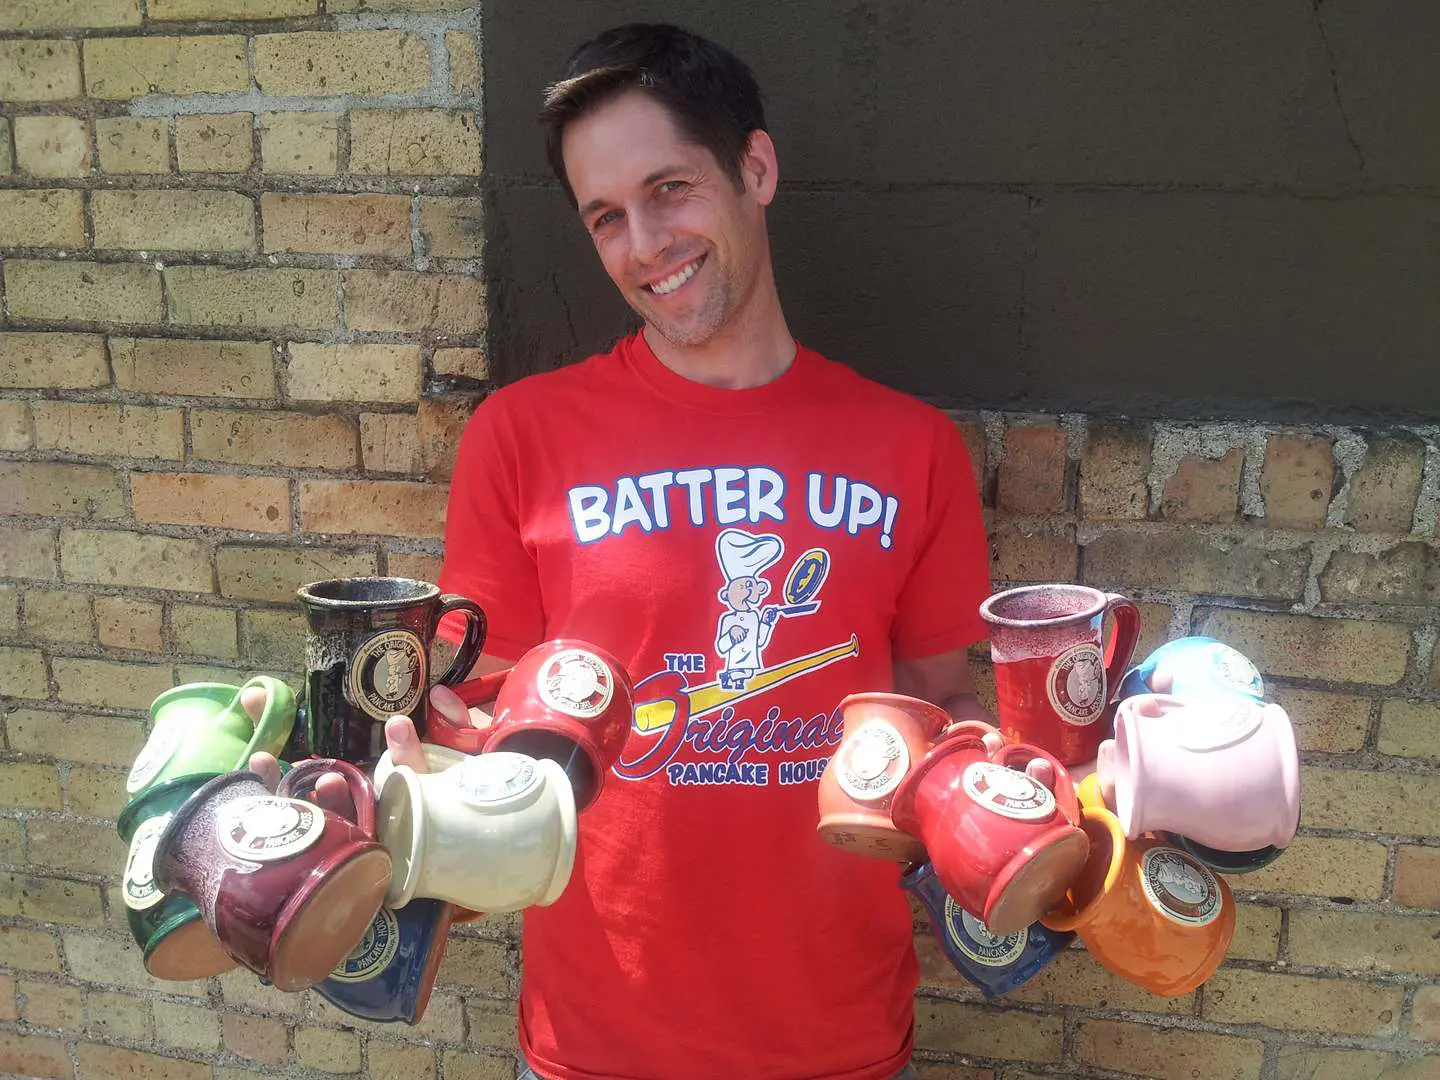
column 746, row 627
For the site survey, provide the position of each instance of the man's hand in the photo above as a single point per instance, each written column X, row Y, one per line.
column 400, row 738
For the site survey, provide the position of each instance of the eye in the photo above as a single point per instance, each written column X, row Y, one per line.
column 607, row 218
column 671, row 186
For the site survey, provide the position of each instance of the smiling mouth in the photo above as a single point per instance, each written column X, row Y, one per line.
column 668, row 285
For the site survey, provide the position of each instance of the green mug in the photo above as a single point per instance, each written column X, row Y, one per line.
column 203, row 728
column 175, row 942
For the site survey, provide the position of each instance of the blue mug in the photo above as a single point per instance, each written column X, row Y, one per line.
column 1195, row 668
column 995, row 964
column 390, row 973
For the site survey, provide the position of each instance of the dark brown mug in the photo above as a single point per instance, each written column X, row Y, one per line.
column 288, row 887
column 367, row 658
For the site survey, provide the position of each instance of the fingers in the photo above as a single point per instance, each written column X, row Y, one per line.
column 446, row 701
column 267, row 767
column 253, row 700
column 404, row 743
column 1042, row 772
column 333, row 794
column 994, row 741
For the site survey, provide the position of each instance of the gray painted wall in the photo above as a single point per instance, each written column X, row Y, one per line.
column 1133, row 206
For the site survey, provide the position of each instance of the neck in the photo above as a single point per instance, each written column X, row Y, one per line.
column 752, row 349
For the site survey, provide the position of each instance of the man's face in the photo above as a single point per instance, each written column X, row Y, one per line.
column 681, row 243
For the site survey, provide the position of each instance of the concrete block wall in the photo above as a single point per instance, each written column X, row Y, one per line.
column 243, row 321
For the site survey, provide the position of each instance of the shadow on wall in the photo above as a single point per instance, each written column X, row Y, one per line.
column 1127, row 208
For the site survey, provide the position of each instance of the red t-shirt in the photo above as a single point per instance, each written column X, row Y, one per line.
column 707, row 931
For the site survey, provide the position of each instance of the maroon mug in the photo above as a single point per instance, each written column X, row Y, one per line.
column 289, row 888
column 1000, row 842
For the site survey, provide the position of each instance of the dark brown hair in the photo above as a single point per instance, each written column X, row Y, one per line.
column 709, row 91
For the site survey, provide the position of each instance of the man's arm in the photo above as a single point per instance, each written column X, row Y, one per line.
column 943, row 680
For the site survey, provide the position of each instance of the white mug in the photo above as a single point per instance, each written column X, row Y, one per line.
column 437, row 759
column 494, row 833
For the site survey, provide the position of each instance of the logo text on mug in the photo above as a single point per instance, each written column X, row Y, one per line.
column 387, row 673
column 1180, row 888
column 873, row 762
column 1007, row 792
column 374, row 952
column 139, row 889
column 1076, row 684
column 267, row 828
column 973, row 938
column 576, row 682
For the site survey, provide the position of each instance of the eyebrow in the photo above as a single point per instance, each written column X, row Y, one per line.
column 659, row 174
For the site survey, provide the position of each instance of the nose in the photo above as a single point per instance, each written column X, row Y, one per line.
column 649, row 236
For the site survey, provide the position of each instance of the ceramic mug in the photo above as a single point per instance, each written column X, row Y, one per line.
column 1194, row 668
column 570, row 702
column 494, row 833
column 437, row 759
column 1224, row 771
column 999, row 841
column 286, row 886
column 883, row 736
column 1053, row 670
column 993, row 963
column 174, row 941
column 389, row 974
column 1222, row 862
column 367, row 658
column 203, row 728
column 1146, row 911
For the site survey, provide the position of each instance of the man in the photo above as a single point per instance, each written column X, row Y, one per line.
column 707, row 933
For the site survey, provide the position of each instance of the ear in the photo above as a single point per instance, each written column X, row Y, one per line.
column 760, row 167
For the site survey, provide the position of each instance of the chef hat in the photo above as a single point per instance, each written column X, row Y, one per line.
column 743, row 555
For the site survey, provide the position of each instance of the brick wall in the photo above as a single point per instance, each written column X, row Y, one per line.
column 242, row 324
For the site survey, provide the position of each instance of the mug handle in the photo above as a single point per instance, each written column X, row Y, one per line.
column 1126, row 617
column 476, row 628
column 442, row 731
column 972, row 729
column 1018, row 756
column 481, row 689
column 300, row 782
column 276, row 722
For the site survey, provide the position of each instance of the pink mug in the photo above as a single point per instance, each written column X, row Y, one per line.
column 1223, row 772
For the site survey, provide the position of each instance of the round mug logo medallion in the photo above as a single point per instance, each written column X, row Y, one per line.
column 1007, row 792
column 1234, row 671
column 1218, row 722
column 973, row 938
column 374, row 952
column 387, row 673
column 873, row 762
column 267, row 828
column 1076, row 684
column 1180, row 888
column 495, row 777
column 139, row 889
column 157, row 751
column 577, row 683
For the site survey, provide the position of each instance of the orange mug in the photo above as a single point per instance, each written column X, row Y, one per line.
column 1147, row 911
column 885, row 735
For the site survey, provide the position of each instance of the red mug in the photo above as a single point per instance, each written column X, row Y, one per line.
column 566, row 700
column 288, row 887
column 1001, row 844
column 1053, row 671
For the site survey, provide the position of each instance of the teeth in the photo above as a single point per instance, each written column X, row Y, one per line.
column 675, row 280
